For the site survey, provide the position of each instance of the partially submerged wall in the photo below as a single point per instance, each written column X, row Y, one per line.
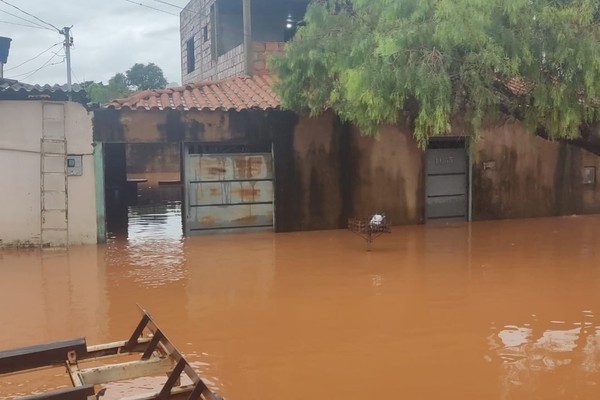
column 326, row 171
column 20, row 211
column 517, row 174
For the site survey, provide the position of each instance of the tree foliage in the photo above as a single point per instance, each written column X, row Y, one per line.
column 100, row 93
column 148, row 76
column 138, row 77
column 372, row 60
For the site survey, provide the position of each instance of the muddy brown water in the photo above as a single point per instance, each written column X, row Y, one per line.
column 492, row 310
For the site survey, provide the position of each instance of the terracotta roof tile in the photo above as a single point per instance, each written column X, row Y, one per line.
column 237, row 93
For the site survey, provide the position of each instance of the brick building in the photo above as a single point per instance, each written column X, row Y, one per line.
column 225, row 38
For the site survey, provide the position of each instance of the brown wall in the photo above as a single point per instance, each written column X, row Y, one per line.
column 388, row 176
column 152, row 157
column 339, row 173
column 326, row 171
column 517, row 175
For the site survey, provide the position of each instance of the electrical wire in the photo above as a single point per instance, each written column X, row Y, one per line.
column 169, row 4
column 75, row 76
column 32, row 72
column 40, row 68
column 28, row 26
column 181, row 8
column 25, row 19
column 33, row 58
column 150, row 7
column 31, row 15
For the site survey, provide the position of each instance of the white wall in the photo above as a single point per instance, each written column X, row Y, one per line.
column 21, row 130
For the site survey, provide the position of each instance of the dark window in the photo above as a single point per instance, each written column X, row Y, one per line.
column 205, row 33
column 191, row 56
column 229, row 26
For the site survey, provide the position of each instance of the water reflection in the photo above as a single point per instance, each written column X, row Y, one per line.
column 564, row 349
column 152, row 248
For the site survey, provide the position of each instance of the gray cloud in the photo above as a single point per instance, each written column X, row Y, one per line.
column 109, row 35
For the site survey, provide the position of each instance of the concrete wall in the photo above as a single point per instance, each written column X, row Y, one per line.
column 152, row 158
column 517, row 174
column 326, row 171
column 20, row 177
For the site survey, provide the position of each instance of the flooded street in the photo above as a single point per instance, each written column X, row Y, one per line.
column 491, row 310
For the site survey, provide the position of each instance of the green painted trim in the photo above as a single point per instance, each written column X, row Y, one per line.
column 100, row 197
column 471, row 147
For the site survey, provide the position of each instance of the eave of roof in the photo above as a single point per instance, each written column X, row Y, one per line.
column 236, row 93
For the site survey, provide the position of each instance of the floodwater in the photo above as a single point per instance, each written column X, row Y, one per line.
column 492, row 310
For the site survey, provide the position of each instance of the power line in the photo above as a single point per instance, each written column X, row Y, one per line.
column 169, row 4
column 150, row 7
column 28, row 26
column 46, row 64
column 33, row 58
column 181, row 8
column 75, row 75
column 42, row 67
column 24, row 19
column 31, row 15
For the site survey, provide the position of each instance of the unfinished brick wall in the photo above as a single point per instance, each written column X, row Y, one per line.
column 261, row 51
column 194, row 19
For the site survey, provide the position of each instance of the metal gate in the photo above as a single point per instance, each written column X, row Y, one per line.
column 446, row 188
column 227, row 191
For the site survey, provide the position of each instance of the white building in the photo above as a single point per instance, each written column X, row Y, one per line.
column 47, row 176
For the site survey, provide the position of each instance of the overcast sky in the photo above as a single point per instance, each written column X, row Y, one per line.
column 109, row 37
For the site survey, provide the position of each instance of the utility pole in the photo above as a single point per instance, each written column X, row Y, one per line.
column 68, row 43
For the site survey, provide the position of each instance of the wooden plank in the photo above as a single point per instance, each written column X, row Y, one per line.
column 173, row 377
column 78, row 393
column 177, row 393
column 30, row 357
column 133, row 340
column 117, row 348
column 128, row 370
column 158, row 336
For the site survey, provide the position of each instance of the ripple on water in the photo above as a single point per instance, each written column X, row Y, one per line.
column 153, row 252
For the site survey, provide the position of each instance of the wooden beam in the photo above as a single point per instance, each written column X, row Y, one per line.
column 78, row 393
column 54, row 353
column 128, row 370
column 117, row 348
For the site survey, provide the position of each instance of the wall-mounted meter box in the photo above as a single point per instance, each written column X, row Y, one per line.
column 74, row 165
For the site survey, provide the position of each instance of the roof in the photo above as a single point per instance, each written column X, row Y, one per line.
column 236, row 93
column 11, row 89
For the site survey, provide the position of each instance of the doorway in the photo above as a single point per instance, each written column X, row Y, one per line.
column 446, row 182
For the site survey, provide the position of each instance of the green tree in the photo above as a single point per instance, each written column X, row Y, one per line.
column 372, row 61
column 143, row 77
column 100, row 93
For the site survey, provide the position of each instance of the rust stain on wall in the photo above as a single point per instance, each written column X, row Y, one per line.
column 247, row 193
column 247, row 219
column 208, row 220
column 248, row 168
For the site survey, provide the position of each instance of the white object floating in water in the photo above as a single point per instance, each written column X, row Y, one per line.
column 377, row 219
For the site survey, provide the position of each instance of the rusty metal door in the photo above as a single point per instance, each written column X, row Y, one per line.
column 228, row 192
column 446, row 188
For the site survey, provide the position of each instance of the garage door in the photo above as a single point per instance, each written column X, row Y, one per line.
column 228, row 192
column 446, row 185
